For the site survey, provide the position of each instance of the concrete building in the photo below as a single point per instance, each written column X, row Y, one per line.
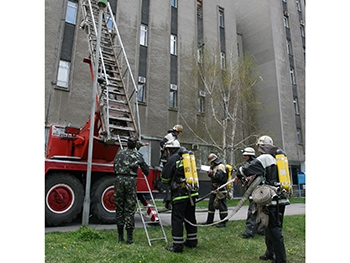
column 160, row 37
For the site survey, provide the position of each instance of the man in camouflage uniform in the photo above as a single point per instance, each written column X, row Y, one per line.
column 126, row 164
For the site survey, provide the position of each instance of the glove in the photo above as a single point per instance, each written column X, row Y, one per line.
column 168, row 205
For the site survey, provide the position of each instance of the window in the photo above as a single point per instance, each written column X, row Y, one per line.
column 173, row 49
column 173, row 96
column 201, row 101
column 302, row 31
column 71, row 14
column 221, row 18
column 286, row 21
column 199, row 55
column 292, row 75
column 222, row 60
column 174, row 3
column 109, row 22
column 143, row 35
column 141, row 96
column 141, row 89
column 298, row 5
column 296, row 107
column 289, row 47
column 298, row 136
column 63, row 74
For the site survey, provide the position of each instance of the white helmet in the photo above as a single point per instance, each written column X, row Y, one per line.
column 212, row 157
column 172, row 144
column 178, row 128
column 265, row 140
column 248, row 151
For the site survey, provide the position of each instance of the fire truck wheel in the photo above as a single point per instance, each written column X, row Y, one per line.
column 64, row 196
column 102, row 200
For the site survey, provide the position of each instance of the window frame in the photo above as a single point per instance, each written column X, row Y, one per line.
column 296, row 106
column 173, row 3
column 63, row 74
column 143, row 35
column 173, row 96
column 292, row 75
column 72, row 10
column 173, row 44
column 221, row 18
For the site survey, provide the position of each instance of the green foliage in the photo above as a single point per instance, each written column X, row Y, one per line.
column 214, row 245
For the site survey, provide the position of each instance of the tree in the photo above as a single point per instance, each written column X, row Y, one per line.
column 226, row 87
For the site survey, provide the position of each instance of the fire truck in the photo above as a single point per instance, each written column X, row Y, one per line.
column 114, row 120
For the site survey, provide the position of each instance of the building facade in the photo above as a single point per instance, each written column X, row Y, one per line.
column 160, row 38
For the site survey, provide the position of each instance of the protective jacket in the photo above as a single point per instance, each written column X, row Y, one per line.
column 173, row 175
column 218, row 176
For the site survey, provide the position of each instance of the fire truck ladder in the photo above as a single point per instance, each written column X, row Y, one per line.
column 117, row 89
column 150, row 209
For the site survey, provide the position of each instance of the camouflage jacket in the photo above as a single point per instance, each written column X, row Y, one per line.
column 127, row 161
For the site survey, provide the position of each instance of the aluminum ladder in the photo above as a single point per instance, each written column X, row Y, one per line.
column 116, row 85
column 149, row 214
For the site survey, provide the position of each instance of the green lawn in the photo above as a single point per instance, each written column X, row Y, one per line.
column 214, row 245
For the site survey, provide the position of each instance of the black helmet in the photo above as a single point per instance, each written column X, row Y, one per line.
column 132, row 141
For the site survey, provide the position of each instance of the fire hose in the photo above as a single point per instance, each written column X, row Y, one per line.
column 257, row 180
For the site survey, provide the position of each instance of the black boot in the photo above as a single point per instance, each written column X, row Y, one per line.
column 129, row 234
column 120, row 233
column 210, row 219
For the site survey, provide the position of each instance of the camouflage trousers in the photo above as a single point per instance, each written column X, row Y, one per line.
column 125, row 200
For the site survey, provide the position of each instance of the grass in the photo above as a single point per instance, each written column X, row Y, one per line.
column 214, row 245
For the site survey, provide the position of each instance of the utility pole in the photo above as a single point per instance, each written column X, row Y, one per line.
column 86, row 207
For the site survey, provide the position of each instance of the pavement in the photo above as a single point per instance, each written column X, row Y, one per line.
column 165, row 218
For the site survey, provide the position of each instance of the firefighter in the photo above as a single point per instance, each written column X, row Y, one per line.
column 182, row 199
column 173, row 134
column 217, row 200
column 252, row 227
column 265, row 165
column 126, row 164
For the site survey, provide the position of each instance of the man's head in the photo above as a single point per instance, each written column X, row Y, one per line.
column 265, row 145
column 132, row 142
column 177, row 129
column 213, row 158
column 248, row 153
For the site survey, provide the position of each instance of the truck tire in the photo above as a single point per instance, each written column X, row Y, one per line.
column 102, row 200
column 64, row 196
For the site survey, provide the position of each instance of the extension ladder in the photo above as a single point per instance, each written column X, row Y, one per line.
column 116, row 85
column 149, row 208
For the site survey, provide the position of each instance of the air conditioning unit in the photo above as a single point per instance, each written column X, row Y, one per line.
column 142, row 79
column 302, row 22
column 194, row 147
column 173, row 86
column 285, row 13
column 202, row 93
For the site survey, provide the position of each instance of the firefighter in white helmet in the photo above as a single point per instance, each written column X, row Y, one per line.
column 173, row 134
column 265, row 165
column 252, row 227
column 173, row 174
column 217, row 200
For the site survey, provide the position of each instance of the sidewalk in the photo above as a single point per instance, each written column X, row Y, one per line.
column 165, row 217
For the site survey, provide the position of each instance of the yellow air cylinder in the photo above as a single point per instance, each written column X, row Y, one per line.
column 194, row 170
column 187, row 168
column 283, row 171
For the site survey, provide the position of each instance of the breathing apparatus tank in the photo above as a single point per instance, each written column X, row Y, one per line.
column 195, row 184
column 283, row 170
column 187, row 167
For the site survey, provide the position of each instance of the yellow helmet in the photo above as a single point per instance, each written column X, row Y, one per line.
column 178, row 128
column 265, row 140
